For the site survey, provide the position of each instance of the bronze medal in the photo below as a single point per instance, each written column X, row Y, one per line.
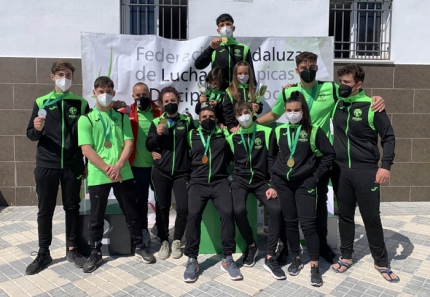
column 224, row 39
column 205, row 159
column 290, row 162
column 108, row 144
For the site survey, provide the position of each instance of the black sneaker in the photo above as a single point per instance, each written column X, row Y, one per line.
column 283, row 257
column 327, row 253
column 295, row 266
column 76, row 257
column 41, row 261
column 191, row 269
column 146, row 255
column 91, row 264
column 250, row 255
column 316, row 278
column 272, row 266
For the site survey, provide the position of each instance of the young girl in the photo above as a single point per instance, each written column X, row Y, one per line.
column 214, row 95
column 295, row 175
column 168, row 137
column 242, row 88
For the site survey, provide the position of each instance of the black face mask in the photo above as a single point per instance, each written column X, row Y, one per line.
column 345, row 90
column 143, row 102
column 171, row 108
column 308, row 75
column 208, row 124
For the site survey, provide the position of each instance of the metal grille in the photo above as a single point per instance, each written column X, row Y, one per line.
column 361, row 29
column 166, row 18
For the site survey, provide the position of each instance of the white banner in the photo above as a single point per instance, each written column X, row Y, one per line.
column 160, row 62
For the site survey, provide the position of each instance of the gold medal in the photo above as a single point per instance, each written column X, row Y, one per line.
column 163, row 121
column 108, row 144
column 224, row 39
column 290, row 162
column 205, row 159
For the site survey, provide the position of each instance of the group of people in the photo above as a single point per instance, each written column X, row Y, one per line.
column 151, row 144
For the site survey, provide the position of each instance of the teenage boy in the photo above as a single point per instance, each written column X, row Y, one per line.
column 59, row 159
column 141, row 114
column 224, row 52
column 321, row 97
column 356, row 130
column 250, row 147
column 210, row 156
column 106, row 139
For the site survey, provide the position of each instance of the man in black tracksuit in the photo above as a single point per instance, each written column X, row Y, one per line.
column 356, row 129
column 224, row 52
column 210, row 156
column 59, row 159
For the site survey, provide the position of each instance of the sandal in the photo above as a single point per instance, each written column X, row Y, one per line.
column 389, row 272
column 340, row 263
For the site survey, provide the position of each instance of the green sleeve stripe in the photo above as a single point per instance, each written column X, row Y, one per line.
column 245, row 52
column 277, row 133
column 313, row 137
column 230, row 142
column 190, row 143
column 371, row 119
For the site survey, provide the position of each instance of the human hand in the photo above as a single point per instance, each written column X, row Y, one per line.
column 202, row 98
column 378, row 103
column 255, row 107
column 213, row 103
column 39, row 123
column 382, row 176
column 287, row 86
column 271, row 193
column 114, row 172
column 161, row 128
column 156, row 156
column 235, row 129
column 215, row 43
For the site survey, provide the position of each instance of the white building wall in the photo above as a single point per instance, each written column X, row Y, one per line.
column 52, row 28
column 261, row 18
column 410, row 37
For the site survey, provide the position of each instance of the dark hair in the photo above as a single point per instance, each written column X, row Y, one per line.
column 141, row 84
column 234, row 86
column 61, row 65
column 209, row 108
column 103, row 82
column 223, row 18
column 356, row 71
column 306, row 56
column 169, row 89
column 306, row 122
column 215, row 75
column 242, row 105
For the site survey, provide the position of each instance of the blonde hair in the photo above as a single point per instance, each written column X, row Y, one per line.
column 233, row 89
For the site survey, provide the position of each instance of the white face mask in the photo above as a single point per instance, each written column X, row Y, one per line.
column 294, row 117
column 245, row 120
column 63, row 83
column 226, row 31
column 243, row 79
column 104, row 99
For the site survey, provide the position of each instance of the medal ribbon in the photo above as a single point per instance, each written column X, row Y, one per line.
column 49, row 102
column 312, row 95
column 292, row 145
column 107, row 130
column 251, row 146
column 207, row 142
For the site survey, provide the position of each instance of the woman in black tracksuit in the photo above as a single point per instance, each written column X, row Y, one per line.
column 168, row 137
column 295, row 175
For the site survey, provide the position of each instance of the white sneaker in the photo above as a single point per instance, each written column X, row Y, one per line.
column 164, row 251
column 176, row 249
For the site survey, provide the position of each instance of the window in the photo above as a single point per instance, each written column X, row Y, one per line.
column 166, row 18
column 361, row 29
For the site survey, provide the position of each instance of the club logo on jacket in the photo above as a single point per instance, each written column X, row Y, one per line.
column 357, row 115
column 258, row 144
column 303, row 136
column 73, row 113
column 180, row 126
column 237, row 52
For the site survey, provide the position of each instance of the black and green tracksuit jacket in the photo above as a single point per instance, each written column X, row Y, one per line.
column 219, row 155
column 356, row 129
column 225, row 57
column 58, row 141
column 218, row 96
column 229, row 103
column 305, row 155
column 172, row 145
column 258, row 161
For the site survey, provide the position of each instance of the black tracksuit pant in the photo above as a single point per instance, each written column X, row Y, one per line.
column 199, row 195
column 240, row 189
column 358, row 186
column 47, row 180
column 142, row 181
column 298, row 202
column 321, row 211
column 125, row 193
column 163, row 183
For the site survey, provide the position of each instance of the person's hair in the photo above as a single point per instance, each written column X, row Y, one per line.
column 103, row 82
column 223, row 18
column 141, row 84
column 306, row 122
column 241, row 106
column 215, row 75
column 209, row 108
column 169, row 89
column 61, row 65
column 234, row 86
column 356, row 71
column 306, row 56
